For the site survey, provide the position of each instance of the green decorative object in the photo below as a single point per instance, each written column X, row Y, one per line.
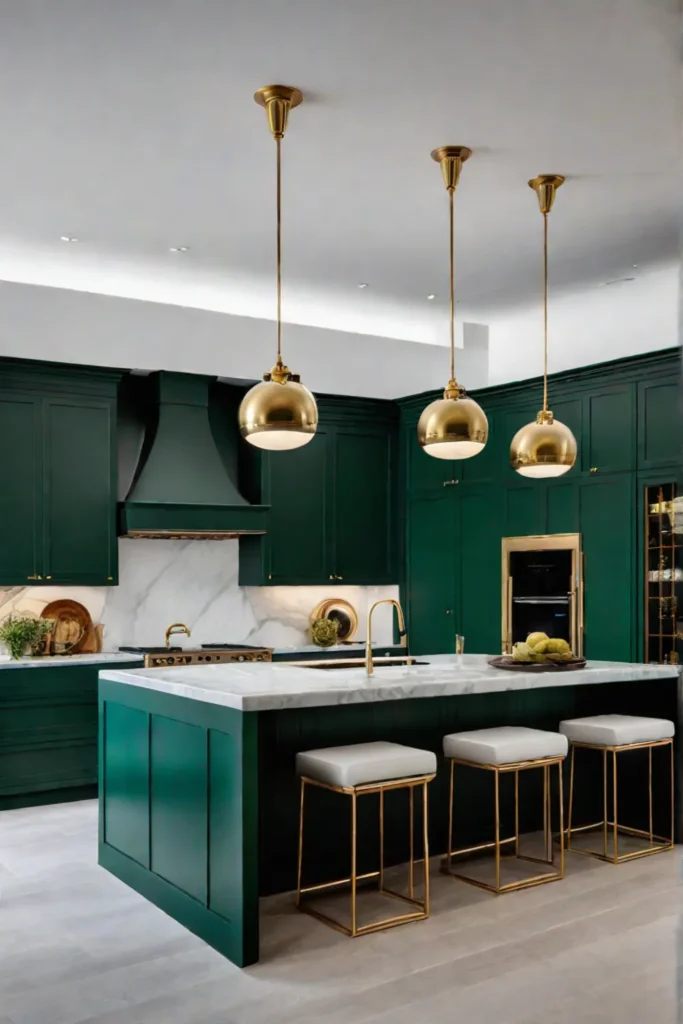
column 324, row 632
column 22, row 634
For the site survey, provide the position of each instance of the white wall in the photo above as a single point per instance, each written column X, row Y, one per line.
column 38, row 322
column 588, row 326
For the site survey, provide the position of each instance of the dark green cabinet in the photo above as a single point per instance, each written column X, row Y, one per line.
column 20, row 496
column 58, row 514
column 608, row 520
column 432, row 545
column 609, row 437
column 333, row 516
column 478, row 611
column 660, row 423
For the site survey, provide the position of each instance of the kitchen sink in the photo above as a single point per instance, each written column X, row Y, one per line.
column 342, row 663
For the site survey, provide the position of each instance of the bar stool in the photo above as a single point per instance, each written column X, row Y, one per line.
column 616, row 734
column 504, row 751
column 357, row 770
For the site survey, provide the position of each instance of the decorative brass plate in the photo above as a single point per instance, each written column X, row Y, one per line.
column 343, row 611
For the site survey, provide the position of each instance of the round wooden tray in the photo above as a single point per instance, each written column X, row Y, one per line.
column 72, row 625
column 507, row 661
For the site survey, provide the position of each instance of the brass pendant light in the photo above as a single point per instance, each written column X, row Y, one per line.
column 547, row 447
column 279, row 413
column 455, row 426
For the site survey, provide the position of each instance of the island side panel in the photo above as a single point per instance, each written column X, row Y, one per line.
column 422, row 722
column 179, row 810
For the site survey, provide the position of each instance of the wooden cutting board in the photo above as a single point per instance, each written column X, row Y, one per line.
column 72, row 626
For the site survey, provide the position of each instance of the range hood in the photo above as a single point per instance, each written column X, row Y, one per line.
column 183, row 486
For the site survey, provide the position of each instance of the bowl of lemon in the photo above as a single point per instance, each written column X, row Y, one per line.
column 539, row 653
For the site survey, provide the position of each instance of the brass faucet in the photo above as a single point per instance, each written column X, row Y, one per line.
column 369, row 667
column 176, row 627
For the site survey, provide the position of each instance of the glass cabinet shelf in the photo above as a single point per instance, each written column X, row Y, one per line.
column 663, row 574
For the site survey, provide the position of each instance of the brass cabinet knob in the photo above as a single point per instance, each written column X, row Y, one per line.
column 331, row 576
column 450, row 483
column 339, row 577
column 48, row 577
column 448, row 611
column 593, row 469
column 270, row 575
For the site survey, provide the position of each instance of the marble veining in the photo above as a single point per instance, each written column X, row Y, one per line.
column 196, row 582
column 72, row 659
column 268, row 687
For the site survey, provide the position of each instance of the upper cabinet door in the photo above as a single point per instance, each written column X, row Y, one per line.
column 296, row 488
column 425, row 473
column 609, row 421
column 660, row 423
column 364, row 506
column 20, row 495
column 432, row 573
column 79, row 491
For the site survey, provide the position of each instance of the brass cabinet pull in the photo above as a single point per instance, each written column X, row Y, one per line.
column 448, row 611
column 34, row 577
column 48, row 577
column 450, row 483
column 331, row 576
column 593, row 469
column 339, row 577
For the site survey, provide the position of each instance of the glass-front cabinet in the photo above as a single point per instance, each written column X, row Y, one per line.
column 543, row 589
column 663, row 574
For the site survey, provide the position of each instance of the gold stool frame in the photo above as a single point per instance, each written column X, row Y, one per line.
column 546, row 764
column 663, row 843
column 422, row 906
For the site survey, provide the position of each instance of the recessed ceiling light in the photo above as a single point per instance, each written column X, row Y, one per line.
column 635, row 266
column 68, row 238
column 430, row 297
column 178, row 248
column 363, row 284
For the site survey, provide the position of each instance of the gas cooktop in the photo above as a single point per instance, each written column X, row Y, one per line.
column 207, row 654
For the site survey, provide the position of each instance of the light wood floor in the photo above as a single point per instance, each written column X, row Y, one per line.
column 77, row 946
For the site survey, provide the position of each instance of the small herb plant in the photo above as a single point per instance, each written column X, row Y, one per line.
column 19, row 633
column 324, row 632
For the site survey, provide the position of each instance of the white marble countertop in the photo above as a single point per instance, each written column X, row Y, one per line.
column 66, row 659
column 350, row 649
column 276, row 686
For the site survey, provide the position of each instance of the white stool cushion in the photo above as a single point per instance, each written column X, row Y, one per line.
column 506, row 745
column 359, row 763
column 616, row 730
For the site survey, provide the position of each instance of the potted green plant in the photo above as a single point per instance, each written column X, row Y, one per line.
column 324, row 632
column 24, row 635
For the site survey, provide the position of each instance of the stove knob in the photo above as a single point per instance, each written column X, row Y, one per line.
column 170, row 661
column 207, row 657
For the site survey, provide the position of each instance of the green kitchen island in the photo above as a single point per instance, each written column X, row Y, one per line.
column 199, row 797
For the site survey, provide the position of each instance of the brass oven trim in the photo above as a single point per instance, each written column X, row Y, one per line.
column 545, row 542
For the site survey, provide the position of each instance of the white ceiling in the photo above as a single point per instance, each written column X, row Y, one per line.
column 130, row 124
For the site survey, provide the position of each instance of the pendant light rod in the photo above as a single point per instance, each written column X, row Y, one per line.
column 451, row 159
column 278, row 101
column 545, row 186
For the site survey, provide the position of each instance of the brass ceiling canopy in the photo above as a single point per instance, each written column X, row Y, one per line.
column 455, row 426
column 279, row 413
column 546, row 448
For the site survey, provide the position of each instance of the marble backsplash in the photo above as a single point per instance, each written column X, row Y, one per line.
column 195, row 582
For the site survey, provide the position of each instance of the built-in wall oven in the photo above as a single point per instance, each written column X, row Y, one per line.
column 543, row 589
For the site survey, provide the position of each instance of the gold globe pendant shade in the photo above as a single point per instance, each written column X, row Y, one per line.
column 279, row 413
column 455, row 426
column 546, row 448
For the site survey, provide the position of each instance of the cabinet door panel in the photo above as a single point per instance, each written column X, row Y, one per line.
column 363, row 507
column 608, row 539
column 431, row 577
column 524, row 513
column 79, row 509
column 297, row 491
column 20, row 493
column 660, row 424
column 425, row 473
column 478, row 616
column 563, row 507
column 609, row 430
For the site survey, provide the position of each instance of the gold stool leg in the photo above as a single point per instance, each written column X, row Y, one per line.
column 649, row 751
column 449, row 861
column 411, row 881
column 353, row 863
column 425, row 841
column 571, row 797
column 516, row 814
column 546, row 811
column 301, row 843
column 381, row 840
column 615, row 803
column 561, row 808
column 673, row 792
column 496, row 774
column 605, row 816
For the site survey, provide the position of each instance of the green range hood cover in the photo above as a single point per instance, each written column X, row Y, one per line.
column 183, row 487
